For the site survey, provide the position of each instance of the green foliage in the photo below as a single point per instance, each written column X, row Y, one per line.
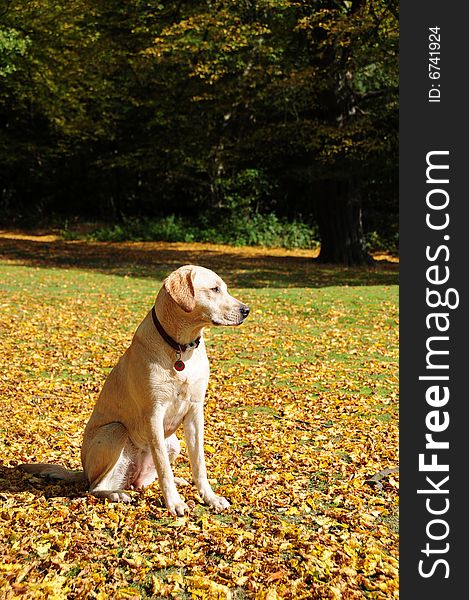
column 266, row 230
column 189, row 108
column 167, row 229
column 245, row 191
column 13, row 44
column 238, row 230
column 388, row 241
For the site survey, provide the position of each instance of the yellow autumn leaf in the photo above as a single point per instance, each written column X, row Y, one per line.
column 43, row 549
column 295, row 426
column 204, row 587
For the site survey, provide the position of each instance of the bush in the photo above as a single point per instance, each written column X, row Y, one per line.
column 168, row 229
column 268, row 230
column 382, row 242
column 251, row 229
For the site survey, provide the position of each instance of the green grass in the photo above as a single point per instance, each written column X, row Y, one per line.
column 305, row 388
column 242, row 268
column 347, row 327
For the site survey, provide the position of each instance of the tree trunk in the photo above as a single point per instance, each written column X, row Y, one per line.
column 339, row 215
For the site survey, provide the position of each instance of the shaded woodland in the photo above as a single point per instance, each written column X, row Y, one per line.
column 210, row 111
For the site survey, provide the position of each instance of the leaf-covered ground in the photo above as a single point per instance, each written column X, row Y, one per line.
column 301, row 413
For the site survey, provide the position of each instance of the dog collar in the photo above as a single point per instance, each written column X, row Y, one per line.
column 180, row 348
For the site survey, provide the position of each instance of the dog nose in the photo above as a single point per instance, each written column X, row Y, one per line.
column 244, row 310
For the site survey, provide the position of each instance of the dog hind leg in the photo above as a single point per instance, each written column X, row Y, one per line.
column 108, row 461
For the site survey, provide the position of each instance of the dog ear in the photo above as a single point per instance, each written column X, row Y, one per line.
column 180, row 287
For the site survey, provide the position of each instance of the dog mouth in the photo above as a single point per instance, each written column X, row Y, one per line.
column 235, row 318
column 228, row 323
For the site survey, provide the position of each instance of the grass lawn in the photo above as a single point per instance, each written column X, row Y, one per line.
column 302, row 410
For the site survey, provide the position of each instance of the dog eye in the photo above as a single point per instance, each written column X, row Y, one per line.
column 216, row 289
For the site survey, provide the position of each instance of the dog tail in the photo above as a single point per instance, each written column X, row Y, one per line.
column 53, row 472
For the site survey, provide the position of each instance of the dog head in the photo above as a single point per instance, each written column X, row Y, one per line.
column 203, row 296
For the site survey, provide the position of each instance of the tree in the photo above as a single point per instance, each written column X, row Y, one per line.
column 359, row 75
column 205, row 107
column 49, row 99
column 304, row 94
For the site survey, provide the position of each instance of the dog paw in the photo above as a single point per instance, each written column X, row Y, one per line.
column 112, row 496
column 175, row 504
column 119, row 497
column 218, row 503
column 177, row 508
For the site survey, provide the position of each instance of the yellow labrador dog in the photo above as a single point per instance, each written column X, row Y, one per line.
column 157, row 385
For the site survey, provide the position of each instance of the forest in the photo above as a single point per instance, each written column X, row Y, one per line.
column 214, row 114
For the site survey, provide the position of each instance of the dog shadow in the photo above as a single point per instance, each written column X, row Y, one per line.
column 15, row 481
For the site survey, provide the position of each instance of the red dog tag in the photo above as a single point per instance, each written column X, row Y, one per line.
column 179, row 365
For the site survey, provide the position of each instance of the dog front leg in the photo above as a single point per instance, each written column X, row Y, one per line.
column 172, row 499
column 194, row 434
